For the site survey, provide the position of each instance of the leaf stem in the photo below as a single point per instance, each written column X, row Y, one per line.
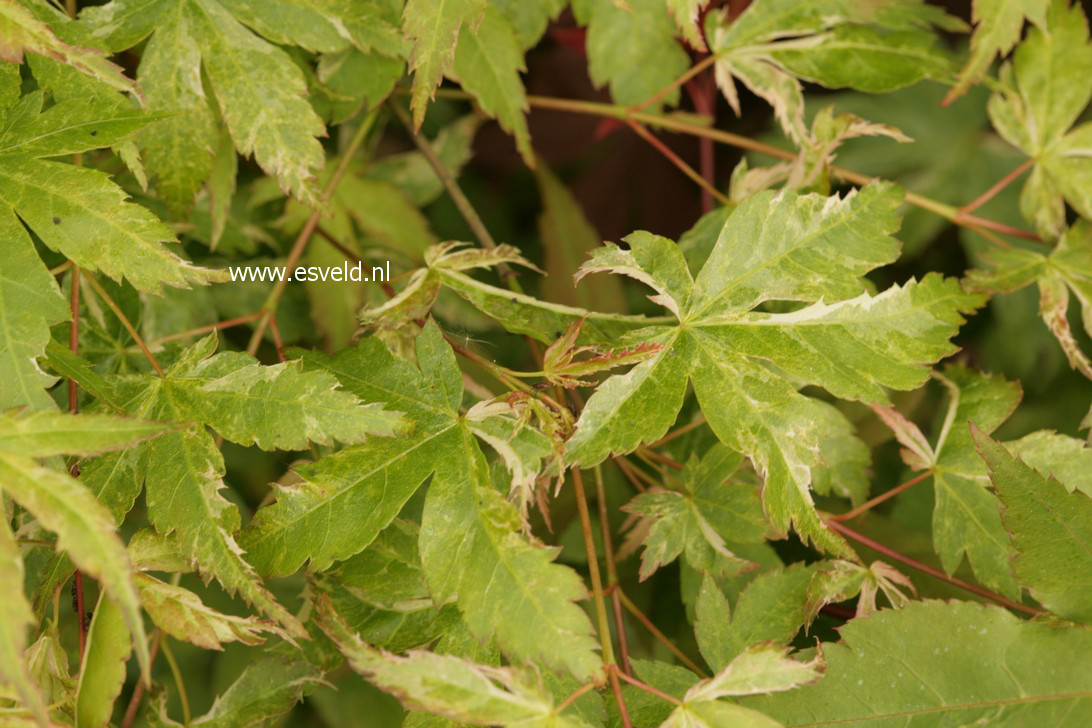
column 992, row 191
column 593, row 567
column 208, row 328
column 678, row 432
column 693, row 71
column 660, row 636
column 575, row 695
column 179, row 683
column 74, row 471
column 269, row 307
column 473, row 219
column 676, row 160
column 101, row 292
column 612, row 570
column 926, row 569
column 624, row 467
column 869, row 505
column 616, row 688
column 138, row 691
column 649, row 689
column 673, row 123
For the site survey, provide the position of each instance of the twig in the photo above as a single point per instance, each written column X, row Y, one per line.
column 925, row 568
column 690, row 73
column 278, row 342
column 101, row 292
column 57, row 270
column 575, row 695
column 649, row 689
column 678, row 432
column 610, row 111
column 612, row 570
column 179, row 683
column 208, row 328
column 138, row 691
column 624, row 467
column 455, row 192
column 593, row 567
column 616, row 688
column 269, row 307
column 337, row 244
column 869, row 505
column 676, row 160
column 992, row 191
column 660, row 636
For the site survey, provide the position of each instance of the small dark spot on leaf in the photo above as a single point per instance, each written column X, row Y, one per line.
column 514, row 299
column 56, row 221
column 94, row 133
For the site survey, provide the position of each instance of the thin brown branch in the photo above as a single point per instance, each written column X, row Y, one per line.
column 616, row 688
column 926, row 569
column 208, row 328
column 649, row 689
column 660, row 636
column 612, row 569
column 337, row 244
column 269, row 307
column 593, row 567
column 869, row 505
column 73, row 406
column 678, row 161
column 624, row 467
column 138, row 691
column 102, row 294
column 278, row 342
column 663, row 92
column 1000, row 185
column 678, row 432
column 575, row 695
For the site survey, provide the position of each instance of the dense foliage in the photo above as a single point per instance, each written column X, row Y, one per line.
column 775, row 472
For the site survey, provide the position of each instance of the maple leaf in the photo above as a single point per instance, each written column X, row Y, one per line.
column 1035, row 107
column 966, row 517
column 470, row 543
column 773, row 247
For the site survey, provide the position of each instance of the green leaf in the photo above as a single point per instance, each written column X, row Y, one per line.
column 102, row 673
column 181, row 614
column 434, row 27
column 758, row 669
column 43, row 434
column 1051, row 530
column 1046, row 87
column 448, row 685
column 487, row 63
column 258, row 89
column 772, row 608
column 34, row 29
column 85, row 530
column 30, row 302
column 855, row 348
column 267, row 688
column 78, row 211
column 15, row 618
column 711, row 508
column 1003, row 670
column 997, row 29
column 631, row 48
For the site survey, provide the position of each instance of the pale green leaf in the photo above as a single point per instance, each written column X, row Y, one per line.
column 448, row 685
column 997, row 29
column 181, row 614
column 712, row 508
column 434, row 27
column 487, row 63
column 15, row 618
column 43, row 434
column 758, row 669
column 102, row 672
column 1002, row 671
column 30, row 302
column 631, row 48
column 85, row 530
column 25, row 30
